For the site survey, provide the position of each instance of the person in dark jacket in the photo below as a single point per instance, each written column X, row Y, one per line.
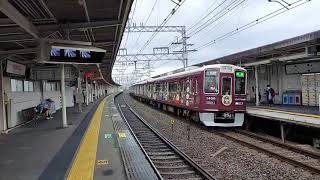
column 270, row 94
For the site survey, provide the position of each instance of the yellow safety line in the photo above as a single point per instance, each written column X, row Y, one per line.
column 84, row 163
column 286, row 112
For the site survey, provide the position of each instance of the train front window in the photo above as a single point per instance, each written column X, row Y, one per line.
column 226, row 86
column 240, row 82
column 211, row 83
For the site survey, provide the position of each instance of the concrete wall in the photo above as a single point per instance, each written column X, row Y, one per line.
column 19, row 101
column 24, row 100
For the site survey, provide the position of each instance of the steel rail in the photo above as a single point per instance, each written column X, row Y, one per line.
column 136, row 138
column 266, row 151
column 280, row 144
column 184, row 156
column 270, row 152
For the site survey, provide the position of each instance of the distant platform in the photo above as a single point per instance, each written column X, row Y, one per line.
column 300, row 115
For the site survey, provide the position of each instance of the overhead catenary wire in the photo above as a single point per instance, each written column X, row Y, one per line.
column 255, row 22
column 134, row 9
column 212, row 11
column 203, row 15
column 217, row 16
column 223, row 21
column 169, row 16
column 132, row 16
column 166, row 19
column 146, row 21
column 226, row 10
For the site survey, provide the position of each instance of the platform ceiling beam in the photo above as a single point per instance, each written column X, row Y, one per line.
column 19, row 51
column 12, row 13
column 60, row 27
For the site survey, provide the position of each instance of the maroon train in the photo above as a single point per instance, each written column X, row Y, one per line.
column 215, row 95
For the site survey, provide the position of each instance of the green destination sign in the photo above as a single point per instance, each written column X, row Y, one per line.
column 240, row 74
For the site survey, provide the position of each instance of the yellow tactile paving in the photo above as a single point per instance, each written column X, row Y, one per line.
column 287, row 112
column 84, row 163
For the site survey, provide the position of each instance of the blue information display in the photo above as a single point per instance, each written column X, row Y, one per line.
column 55, row 52
column 72, row 55
column 85, row 54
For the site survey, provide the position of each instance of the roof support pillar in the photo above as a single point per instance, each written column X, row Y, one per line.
column 79, row 92
column 87, row 92
column 280, row 76
column 63, row 99
column 91, row 90
column 257, row 85
column 3, row 120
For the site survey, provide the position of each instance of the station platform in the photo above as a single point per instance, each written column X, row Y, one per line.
column 43, row 151
column 96, row 145
column 300, row 115
column 109, row 150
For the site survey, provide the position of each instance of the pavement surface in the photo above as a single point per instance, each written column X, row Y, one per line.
column 46, row 150
column 291, row 108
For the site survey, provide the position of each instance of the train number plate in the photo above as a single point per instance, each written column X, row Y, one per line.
column 210, row 98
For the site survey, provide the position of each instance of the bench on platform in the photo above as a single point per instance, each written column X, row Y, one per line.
column 30, row 114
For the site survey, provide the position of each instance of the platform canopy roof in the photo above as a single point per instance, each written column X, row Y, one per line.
column 24, row 22
column 293, row 49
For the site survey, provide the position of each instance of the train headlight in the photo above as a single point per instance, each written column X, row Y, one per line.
column 238, row 103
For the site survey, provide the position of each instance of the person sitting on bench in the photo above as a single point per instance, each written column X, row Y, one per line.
column 44, row 108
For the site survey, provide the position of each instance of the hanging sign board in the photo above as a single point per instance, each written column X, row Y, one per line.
column 76, row 54
column 89, row 75
column 69, row 52
column 15, row 68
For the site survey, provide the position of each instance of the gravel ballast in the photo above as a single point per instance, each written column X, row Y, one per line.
column 223, row 158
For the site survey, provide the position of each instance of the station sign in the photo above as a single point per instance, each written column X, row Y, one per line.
column 76, row 55
column 69, row 52
column 15, row 68
column 89, row 74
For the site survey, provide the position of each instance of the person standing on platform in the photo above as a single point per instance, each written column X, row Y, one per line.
column 270, row 94
column 84, row 96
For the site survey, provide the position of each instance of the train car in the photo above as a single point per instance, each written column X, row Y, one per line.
column 214, row 95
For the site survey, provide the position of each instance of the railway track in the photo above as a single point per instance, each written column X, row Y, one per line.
column 169, row 161
column 298, row 157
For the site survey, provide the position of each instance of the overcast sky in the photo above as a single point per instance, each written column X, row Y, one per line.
column 297, row 21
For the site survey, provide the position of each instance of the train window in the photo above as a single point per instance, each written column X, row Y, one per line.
column 190, row 86
column 178, row 87
column 197, row 86
column 172, row 87
column 240, row 82
column 211, row 83
column 158, row 87
column 226, row 86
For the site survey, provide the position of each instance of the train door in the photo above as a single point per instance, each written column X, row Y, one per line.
column 192, row 92
column 166, row 95
column 196, row 93
column 226, row 90
column 188, row 91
